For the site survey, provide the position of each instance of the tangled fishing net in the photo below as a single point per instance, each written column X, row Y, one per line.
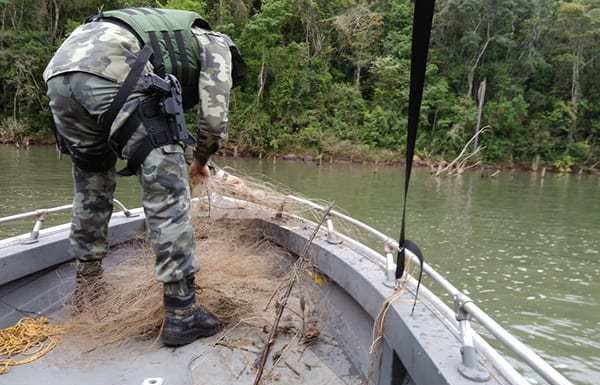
column 239, row 272
column 276, row 197
column 237, row 267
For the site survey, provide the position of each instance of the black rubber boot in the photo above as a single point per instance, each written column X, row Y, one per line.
column 185, row 321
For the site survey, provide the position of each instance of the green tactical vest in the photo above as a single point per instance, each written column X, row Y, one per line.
column 168, row 31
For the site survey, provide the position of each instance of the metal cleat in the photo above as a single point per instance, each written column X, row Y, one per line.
column 390, row 266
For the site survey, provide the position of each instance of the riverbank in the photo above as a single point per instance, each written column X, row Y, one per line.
column 348, row 153
column 345, row 152
column 16, row 133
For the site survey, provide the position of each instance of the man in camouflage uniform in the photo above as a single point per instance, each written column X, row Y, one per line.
column 83, row 78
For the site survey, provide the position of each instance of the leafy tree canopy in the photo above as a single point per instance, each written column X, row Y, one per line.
column 324, row 74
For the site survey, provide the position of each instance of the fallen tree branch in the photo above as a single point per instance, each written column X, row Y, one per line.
column 462, row 153
column 462, row 166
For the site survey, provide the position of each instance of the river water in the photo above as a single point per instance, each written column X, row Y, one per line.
column 526, row 248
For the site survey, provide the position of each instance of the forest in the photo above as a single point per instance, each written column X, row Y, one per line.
column 330, row 78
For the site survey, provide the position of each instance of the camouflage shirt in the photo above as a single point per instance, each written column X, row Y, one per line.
column 108, row 50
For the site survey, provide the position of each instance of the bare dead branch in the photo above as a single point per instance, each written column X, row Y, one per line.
column 462, row 153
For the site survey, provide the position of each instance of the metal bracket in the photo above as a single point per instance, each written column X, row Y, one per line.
column 469, row 367
column 35, row 232
column 477, row 373
column 126, row 211
column 390, row 266
column 331, row 236
column 460, row 300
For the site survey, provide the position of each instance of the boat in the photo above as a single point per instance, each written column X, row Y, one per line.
column 435, row 344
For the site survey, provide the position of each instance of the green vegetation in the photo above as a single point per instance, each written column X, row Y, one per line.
column 331, row 77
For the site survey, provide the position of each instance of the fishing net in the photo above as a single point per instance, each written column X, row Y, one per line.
column 236, row 265
column 240, row 271
column 264, row 193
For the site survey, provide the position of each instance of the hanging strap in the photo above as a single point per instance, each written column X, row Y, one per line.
column 108, row 117
column 172, row 54
column 157, row 59
column 182, row 51
column 422, row 20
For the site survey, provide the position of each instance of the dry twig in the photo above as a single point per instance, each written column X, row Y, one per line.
column 294, row 274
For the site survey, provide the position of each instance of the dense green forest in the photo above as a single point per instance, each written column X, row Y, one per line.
column 331, row 77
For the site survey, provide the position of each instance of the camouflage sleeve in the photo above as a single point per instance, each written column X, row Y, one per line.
column 214, row 86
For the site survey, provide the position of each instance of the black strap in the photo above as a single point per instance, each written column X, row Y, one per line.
column 148, row 107
column 142, row 149
column 157, row 59
column 61, row 143
column 185, row 65
column 171, row 51
column 239, row 71
column 422, row 20
column 108, row 117
column 94, row 162
column 120, row 138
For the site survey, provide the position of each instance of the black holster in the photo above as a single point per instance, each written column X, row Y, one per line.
column 162, row 117
column 155, row 122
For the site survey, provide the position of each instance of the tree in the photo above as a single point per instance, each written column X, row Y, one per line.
column 467, row 29
column 579, row 26
column 358, row 28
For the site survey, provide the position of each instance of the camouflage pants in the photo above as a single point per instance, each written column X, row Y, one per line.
column 77, row 100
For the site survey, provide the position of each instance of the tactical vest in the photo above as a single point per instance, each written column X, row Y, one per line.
column 168, row 31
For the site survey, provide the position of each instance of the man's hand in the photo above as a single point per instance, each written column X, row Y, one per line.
column 198, row 173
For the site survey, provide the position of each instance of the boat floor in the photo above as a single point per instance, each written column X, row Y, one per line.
column 227, row 358
column 199, row 363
